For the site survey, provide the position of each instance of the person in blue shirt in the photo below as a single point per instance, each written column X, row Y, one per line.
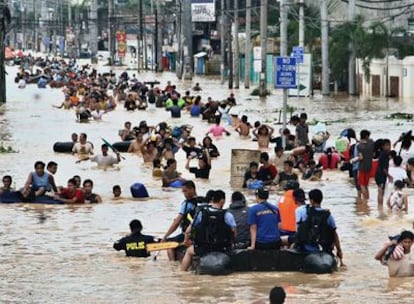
column 187, row 207
column 264, row 220
column 213, row 229
column 302, row 212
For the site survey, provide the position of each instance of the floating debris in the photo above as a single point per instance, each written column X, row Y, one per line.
column 400, row 115
column 8, row 149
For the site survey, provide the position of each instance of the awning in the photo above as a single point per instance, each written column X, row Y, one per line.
column 201, row 54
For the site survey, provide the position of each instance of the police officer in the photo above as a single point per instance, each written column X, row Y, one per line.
column 135, row 243
column 187, row 210
column 214, row 230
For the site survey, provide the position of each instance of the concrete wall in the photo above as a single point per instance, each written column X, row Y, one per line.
column 402, row 69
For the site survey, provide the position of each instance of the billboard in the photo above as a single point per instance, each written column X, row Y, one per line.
column 122, row 46
column 203, row 11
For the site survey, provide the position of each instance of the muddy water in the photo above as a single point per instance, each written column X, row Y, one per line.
column 63, row 254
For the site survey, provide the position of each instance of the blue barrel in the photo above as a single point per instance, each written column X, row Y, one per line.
column 176, row 184
column 138, row 190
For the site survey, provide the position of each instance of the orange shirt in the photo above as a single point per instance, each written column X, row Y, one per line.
column 74, row 100
column 287, row 207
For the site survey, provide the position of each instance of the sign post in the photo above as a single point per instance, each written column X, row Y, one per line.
column 285, row 73
column 297, row 53
column 285, row 79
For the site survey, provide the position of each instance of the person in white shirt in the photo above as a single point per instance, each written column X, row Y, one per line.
column 104, row 159
column 398, row 200
column 82, row 148
column 397, row 172
column 396, row 254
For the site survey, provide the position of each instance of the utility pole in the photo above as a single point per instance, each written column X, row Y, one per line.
column 54, row 27
column 179, row 60
column 159, row 36
column 141, row 33
column 222, row 42
column 236, row 45
column 138, row 50
column 352, row 55
column 325, row 42
column 188, row 41
column 263, row 45
column 248, row 45
column 301, row 23
column 4, row 22
column 36, row 23
column 229, row 46
column 111, row 42
column 93, row 28
column 23, row 20
column 143, row 36
column 69, row 12
column 283, row 53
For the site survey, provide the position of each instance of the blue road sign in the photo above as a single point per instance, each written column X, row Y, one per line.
column 297, row 52
column 285, row 73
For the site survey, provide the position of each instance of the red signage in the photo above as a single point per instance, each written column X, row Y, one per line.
column 122, row 43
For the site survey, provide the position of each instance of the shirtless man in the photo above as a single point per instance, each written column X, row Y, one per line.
column 82, row 148
column 244, row 127
column 149, row 151
column 135, row 146
column 127, row 133
column 263, row 133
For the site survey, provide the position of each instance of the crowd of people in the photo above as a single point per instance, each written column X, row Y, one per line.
column 263, row 226
column 204, row 226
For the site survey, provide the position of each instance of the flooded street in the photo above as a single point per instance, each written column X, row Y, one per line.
column 63, row 254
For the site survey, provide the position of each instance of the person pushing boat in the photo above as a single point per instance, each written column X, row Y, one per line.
column 135, row 243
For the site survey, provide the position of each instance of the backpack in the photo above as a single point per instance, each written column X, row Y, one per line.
column 189, row 214
column 212, row 233
column 315, row 230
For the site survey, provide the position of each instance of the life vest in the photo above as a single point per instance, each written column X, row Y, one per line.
column 212, row 233
column 287, row 207
column 315, row 230
column 190, row 212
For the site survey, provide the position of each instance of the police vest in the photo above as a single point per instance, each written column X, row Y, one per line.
column 212, row 233
column 315, row 230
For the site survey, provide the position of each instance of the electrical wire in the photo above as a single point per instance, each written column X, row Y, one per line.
column 381, row 8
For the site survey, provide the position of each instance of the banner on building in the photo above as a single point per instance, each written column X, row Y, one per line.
column 122, row 43
column 70, row 36
column 203, row 11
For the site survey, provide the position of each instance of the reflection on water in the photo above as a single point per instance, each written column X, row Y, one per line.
column 63, row 254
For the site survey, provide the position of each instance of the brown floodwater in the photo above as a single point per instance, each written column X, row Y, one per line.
column 63, row 254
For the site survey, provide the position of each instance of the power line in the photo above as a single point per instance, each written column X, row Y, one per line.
column 382, row 8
